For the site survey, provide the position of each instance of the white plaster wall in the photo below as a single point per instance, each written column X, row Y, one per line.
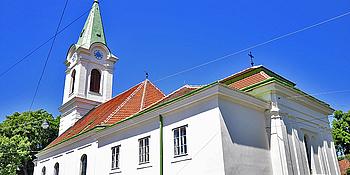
column 317, row 126
column 299, row 115
column 244, row 139
column 83, row 67
column 67, row 87
column 203, row 136
column 69, row 159
column 224, row 137
column 67, row 121
column 129, row 150
column 205, row 154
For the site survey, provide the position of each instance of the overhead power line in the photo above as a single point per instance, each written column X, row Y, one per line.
column 41, row 45
column 49, row 53
column 321, row 93
column 255, row 46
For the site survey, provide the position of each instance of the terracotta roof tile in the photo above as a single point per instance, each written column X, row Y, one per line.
column 179, row 92
column 118, row 108
column 248, row 81
column 145, row 95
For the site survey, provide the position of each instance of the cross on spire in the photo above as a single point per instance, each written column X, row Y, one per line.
column 146, row 74
column 251, row 58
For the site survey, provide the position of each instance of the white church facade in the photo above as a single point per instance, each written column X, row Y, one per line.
column 252, row 122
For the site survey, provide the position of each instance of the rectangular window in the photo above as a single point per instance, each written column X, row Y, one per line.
column 115, row 157
column 180, row 142
column 144, row 150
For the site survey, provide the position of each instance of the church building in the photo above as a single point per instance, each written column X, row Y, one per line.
column 252, row 122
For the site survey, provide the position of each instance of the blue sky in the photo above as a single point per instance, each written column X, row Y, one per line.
column 165, row 37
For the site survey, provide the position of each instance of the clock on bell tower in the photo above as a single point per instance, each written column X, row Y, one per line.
column 89, row 73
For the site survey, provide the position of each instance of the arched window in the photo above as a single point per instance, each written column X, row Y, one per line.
column 72, row 81
column 308, row 150
column 95, row 80
column 83, row 164
column 43, row 171
column 56, row 169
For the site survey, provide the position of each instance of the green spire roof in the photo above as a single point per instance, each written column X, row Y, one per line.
column 93, row 28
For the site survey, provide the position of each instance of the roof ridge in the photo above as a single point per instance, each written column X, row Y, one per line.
column 240, row 72
column 124, row 102
column 143, row 95
column 192, row 86
column 264, row 74
column 178, row 89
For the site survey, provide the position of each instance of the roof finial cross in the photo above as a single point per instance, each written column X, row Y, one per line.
column 147, row 75
column 251, row 58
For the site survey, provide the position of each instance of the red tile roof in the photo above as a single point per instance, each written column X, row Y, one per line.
column 248, row 81
column 251, row 76
column 120, row 107
column 179, row 92
column 146, row 95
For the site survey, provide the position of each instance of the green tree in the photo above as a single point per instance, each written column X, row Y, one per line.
column 21, row 137
column 12, row 152
column 341, row 131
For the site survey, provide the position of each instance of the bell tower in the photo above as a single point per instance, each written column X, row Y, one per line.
column 89, row 73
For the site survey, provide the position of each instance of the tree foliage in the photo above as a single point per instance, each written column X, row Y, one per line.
column 21, row 137
column 341, row 131
column 12, row 152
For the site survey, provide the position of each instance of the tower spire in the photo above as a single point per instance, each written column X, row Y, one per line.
column 93, row 29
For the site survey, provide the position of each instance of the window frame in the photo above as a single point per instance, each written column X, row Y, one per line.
column 43, row 170
column 56, row 169
column 180, row 142
column 91, row 84
column 308, row 151
column 144, row 150
column 115, row 164
column 83, row 170
column 72, row 83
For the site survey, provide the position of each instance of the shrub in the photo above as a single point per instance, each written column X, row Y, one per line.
column 347, row 172
column 347, row 157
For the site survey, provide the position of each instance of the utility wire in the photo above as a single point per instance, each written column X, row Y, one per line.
column 48, row 55
column 255, row 46
column 285, row 125
column 296, row 122
column 320, row 93
column 41, row 45
column 205, row 145
column 211, row 139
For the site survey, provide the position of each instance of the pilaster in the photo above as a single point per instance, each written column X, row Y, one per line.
column 277, row 144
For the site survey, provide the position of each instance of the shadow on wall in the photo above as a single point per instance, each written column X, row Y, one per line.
column 244, row 140
column 244, row 126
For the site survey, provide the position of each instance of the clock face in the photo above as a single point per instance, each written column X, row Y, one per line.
column 98, row 54
column 74, row 57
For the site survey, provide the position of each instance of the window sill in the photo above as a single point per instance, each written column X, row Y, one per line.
column 144, row 165
column 181, row 158
column 115, row 171
column 95, row 93
column 182, row 155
